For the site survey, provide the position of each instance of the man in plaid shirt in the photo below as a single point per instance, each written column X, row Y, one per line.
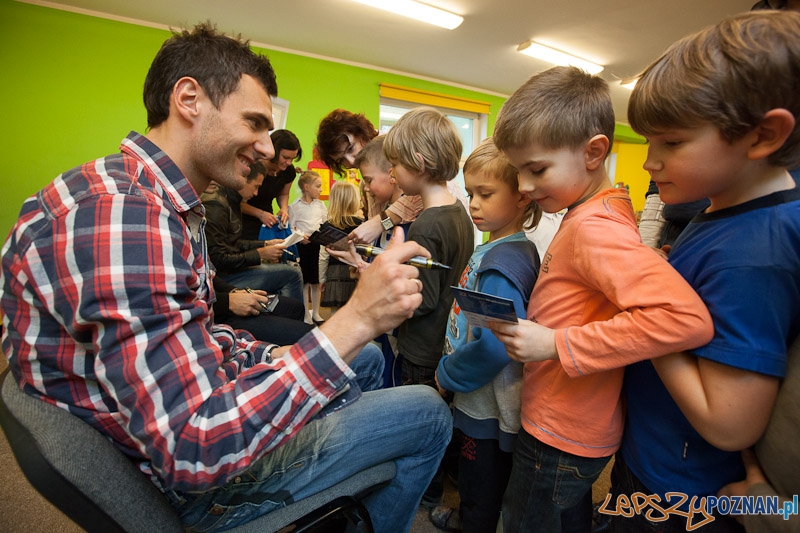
column 106, row 294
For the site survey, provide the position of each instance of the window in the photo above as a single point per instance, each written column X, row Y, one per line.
column 469, row 117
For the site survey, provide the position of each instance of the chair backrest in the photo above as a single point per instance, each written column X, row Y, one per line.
column 78, row 470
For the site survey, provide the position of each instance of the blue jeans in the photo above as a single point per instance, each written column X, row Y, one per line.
column 549, row 490
column 625, row 482
column 275, row 278
column 409, row 425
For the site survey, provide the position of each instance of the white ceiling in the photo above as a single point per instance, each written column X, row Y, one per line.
column 623, row 35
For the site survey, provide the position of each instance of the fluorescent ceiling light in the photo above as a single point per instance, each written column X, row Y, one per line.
column 418, row 11
column 557, row 57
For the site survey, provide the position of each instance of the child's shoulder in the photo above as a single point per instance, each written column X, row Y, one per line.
column 516, row 259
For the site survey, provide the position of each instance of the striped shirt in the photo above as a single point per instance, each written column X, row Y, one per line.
column 107, row 296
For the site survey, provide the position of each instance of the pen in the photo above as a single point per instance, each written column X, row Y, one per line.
column 288, row 252
column 262, row 304
column 417, row 261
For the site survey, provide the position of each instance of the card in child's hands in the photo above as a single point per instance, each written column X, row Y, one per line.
column 330, row 236
column 481, row 308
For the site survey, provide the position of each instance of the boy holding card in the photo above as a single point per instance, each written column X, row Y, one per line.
column 603, row 300
column 475, row 366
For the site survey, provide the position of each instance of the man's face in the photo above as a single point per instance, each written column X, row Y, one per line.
column 230, row 139
column 251, row 187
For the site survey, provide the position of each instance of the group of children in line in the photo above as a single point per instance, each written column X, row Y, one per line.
column 672, row 366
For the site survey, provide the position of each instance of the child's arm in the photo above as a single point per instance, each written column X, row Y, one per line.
column 323, row 265
column 477, row 362
column 651, row 309
column 728, row 407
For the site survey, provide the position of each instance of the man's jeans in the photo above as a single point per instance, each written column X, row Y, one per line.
column 410, row 425
column 549, row 490
column 275, row 278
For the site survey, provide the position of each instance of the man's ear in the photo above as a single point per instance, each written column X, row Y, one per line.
column 595, row 151
column 186, row 95
column 771, row 133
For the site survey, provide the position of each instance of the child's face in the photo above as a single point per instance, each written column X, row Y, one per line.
column 377, row 183
column 409, row 180
column 314, row 189
column 493, row 205
column 692, row 163
column 553, row 178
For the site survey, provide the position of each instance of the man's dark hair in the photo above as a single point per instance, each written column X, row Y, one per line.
column 285, row 140
column 256, row 169
column 215, row 60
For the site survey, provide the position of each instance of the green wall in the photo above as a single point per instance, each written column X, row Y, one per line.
column 72, row 90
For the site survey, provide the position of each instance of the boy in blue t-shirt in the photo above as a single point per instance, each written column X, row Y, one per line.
column 719, row 110
column 475, row 365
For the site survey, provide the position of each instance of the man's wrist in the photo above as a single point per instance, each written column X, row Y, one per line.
column 268, row 353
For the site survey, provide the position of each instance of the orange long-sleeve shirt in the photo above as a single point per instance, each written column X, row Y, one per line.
column 612, row 301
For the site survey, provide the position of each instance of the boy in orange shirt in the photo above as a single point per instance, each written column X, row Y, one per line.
column 603, row 300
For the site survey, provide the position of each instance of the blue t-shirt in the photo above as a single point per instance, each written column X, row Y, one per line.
column 744, row 262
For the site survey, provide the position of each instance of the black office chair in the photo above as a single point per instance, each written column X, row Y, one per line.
column 88, row 479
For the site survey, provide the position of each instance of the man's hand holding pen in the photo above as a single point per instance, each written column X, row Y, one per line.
column 388, row 292
column 352, row 257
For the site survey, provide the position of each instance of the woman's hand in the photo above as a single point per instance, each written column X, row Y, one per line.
column 267, row 218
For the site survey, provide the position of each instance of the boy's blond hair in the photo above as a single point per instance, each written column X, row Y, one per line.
column 425, row 139
column 560, row 107
column 490, row 161
column 372, row 154
column 728, row 75
column 307, row 178
column 345, row 201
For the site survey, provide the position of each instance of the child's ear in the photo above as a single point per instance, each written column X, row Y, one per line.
column 524, row 200
column 771, row 133
column 595, row 151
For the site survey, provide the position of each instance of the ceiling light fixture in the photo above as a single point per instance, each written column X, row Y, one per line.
column 629, row 83
column 557, row 57
column 418, row 11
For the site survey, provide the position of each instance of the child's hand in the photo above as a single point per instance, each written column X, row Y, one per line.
column 663, row 251
column 526, row 341
column 367, row 232
column 754, row 476
column 444, row 392
column 348, row 256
